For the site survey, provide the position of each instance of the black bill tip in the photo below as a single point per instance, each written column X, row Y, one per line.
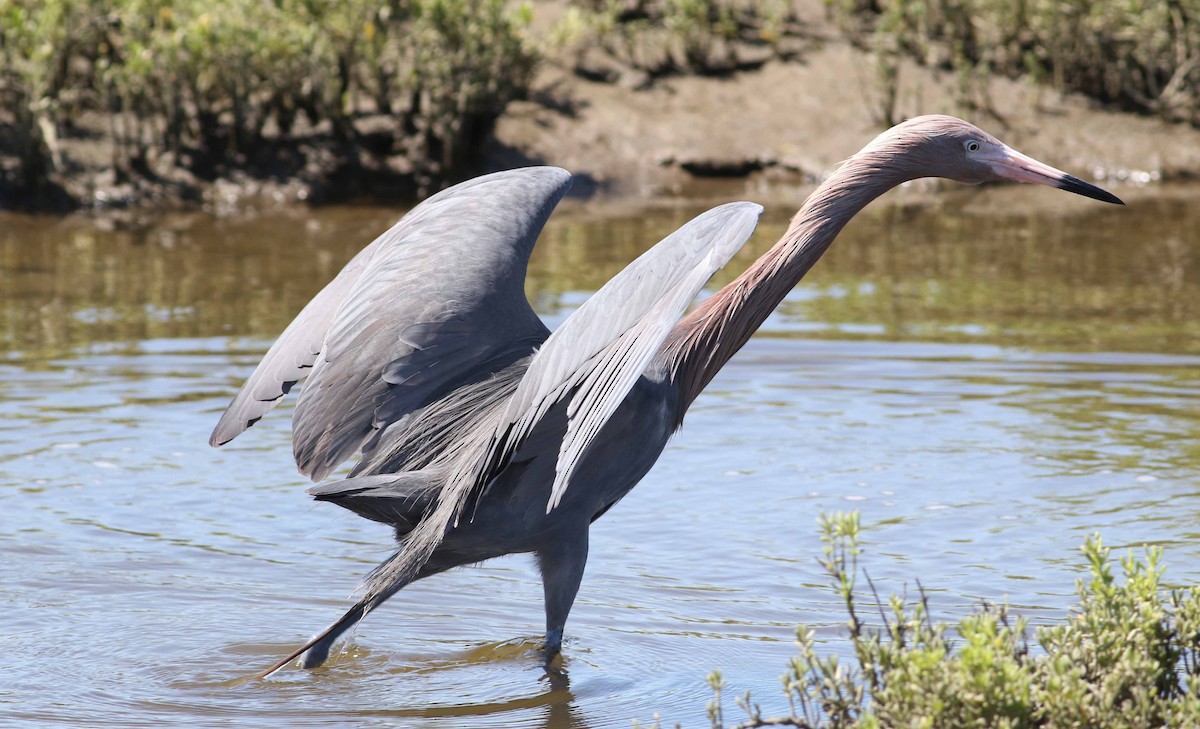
column 1070, row 183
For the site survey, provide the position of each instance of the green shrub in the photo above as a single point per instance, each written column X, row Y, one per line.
column 201, row 83
column 38, row 42
column 1127, row 658
column 1141, row 56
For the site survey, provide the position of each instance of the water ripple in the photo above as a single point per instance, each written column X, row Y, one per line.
column 147, row 575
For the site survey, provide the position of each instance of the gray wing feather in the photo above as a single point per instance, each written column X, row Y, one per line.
column 412, row 314
column 445, row 291
column 599, row 352
column 290, row 358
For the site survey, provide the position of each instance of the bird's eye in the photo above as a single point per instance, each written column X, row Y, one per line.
column 972, row 146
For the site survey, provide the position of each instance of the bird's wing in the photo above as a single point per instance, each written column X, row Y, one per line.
column 414, row 314
column 599, row 352
column 290, row 358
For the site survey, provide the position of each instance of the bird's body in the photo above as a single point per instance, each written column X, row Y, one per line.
column 482, row 433
column 511, row 515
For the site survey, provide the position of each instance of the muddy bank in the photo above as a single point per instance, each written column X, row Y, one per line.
column 769, row 130
column 777, row 130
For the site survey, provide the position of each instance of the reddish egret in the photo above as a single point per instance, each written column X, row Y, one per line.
column 483, row 434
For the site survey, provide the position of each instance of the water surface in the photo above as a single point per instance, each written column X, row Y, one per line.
column 986, row 388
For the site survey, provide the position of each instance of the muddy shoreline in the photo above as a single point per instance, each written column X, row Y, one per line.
column 788, row 124
column 766, row 134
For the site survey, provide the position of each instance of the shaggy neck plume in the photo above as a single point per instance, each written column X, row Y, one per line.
column 705, row 340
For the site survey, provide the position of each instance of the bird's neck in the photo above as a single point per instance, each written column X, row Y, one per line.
column 705, row 340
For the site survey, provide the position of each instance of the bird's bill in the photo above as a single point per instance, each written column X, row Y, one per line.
column 1012, row 165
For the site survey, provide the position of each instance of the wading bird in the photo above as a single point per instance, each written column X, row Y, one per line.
column 483, row 434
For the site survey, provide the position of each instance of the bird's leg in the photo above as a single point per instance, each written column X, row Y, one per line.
column 562, row 570
column 318, row 653
column 315, row 652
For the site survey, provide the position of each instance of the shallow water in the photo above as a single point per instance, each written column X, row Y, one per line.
column 987, row 389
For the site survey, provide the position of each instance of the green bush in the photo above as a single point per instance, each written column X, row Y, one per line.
column 1141, row 56
column 38, row 42
column 1128, row 658
column 202, row 83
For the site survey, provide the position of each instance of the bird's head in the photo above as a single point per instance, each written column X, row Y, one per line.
column 943, row 146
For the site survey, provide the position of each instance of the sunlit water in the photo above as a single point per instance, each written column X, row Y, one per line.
column 986, row 390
